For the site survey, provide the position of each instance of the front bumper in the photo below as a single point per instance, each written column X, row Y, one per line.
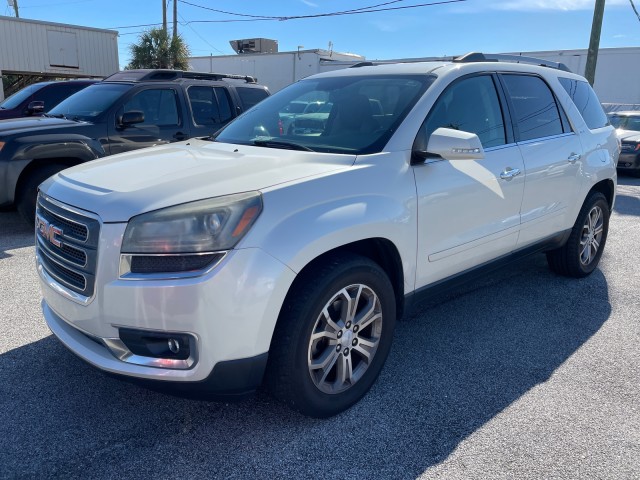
column 230, row 311
column 628, row 161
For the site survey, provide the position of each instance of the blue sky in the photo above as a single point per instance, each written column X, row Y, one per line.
column 472, row 25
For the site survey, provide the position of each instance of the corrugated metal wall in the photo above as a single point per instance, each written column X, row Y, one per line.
column 30, row 46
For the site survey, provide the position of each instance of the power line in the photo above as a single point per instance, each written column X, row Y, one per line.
column 371, row 9
column 135, row 26
column 635, row 9
column 362, row 10
column 184, row 22
column 270, row 17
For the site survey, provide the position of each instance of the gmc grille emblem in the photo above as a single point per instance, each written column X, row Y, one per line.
column 49, row 231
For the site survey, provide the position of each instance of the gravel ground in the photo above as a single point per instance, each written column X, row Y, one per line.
column 521, row 375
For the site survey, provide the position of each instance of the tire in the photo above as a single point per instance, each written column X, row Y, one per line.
column 581, row 254
column 323, row 376
column 28, row 191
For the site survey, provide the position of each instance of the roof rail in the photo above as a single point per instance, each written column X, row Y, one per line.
column 363, row 64
column 168, row 75
column 494, row 57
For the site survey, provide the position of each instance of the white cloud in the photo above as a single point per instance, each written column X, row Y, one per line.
column 310, row 4
column 563, row 5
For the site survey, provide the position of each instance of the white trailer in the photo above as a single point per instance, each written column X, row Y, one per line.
column 32, row 47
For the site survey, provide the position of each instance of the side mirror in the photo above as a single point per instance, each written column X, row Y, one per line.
column 131, row 118
column 452, row 145
column 35, row 107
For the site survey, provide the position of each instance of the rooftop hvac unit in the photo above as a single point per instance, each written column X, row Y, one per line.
column 255, row 45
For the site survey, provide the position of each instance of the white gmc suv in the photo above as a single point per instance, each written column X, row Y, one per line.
column 284, row 256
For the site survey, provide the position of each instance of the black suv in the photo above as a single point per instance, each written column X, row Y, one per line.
column 129, row 110
column 40, row 97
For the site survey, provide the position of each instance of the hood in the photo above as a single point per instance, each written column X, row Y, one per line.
column 122, row 186
column 628, row 135
column 34, row 125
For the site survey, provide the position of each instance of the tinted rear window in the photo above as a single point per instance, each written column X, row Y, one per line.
column 536, row 111
column 251, row 96
column 587, row 102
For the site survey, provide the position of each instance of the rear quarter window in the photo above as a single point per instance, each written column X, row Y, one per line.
column 586, row 101
column 250, row 96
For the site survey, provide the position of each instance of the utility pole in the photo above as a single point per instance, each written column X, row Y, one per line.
column 15, row 7
column 175, row 18
column 594, row 42
column 164, row 16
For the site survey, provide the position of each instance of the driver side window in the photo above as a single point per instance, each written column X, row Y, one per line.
column 469, row 105
column 159, row 106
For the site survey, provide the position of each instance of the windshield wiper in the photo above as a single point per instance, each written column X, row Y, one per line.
column 280, row 144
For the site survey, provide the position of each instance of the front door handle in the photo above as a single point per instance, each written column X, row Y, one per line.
column 574, row 157
column 509, row 173
column 180, row 136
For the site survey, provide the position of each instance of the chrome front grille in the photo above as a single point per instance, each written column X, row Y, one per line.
column 67, row 244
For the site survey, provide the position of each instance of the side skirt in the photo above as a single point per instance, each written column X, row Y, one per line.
column 433, row 290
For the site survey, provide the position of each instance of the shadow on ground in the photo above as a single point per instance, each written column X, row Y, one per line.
column 15, row 233
column 453, row 367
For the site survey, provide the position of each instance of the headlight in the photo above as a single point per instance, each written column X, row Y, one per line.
column 207, row 225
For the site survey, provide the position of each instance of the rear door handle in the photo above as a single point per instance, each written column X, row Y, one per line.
column 509, row 173
column 180, row 136
column 574, row 157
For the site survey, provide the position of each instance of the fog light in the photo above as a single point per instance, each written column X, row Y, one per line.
column 174, row 346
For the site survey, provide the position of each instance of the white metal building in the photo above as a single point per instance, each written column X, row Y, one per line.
column 32, row 47
column 275, row 70
column 616, row 81
column 617, row 72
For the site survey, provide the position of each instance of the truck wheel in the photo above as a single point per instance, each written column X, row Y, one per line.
column 28, row 191
column 581, row 254
column 333, row 336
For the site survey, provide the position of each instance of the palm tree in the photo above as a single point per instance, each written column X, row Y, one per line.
column 156, row 50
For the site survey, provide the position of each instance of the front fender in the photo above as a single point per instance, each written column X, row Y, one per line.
column 303, row 221
column 56, row 146
column 19, row 153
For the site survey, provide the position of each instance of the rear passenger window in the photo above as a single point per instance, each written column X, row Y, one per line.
column 224, row 104
column 210, row 106
column 470, row 105
column 536, row 112
column 251, row 96
column 587, row 102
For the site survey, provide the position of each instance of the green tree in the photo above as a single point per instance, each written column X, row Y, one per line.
column 156, row 49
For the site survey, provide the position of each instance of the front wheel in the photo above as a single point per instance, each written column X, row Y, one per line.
column 28, row 191
column 333, row 336
column 581, row 254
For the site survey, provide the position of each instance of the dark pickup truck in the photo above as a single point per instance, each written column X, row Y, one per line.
column 129, row 110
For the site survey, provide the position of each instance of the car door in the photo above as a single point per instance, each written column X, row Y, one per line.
column 552, row 155
column 162, row 124
column 468, row 210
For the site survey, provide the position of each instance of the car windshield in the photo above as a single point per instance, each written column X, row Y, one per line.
column 352, row 114
column 20, row 96
column 625, row 122
column 90, row 102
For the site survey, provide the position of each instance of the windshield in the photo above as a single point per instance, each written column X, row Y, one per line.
column 20, row 96
column 355, row 114
column 90, row 102
column 625, row 122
